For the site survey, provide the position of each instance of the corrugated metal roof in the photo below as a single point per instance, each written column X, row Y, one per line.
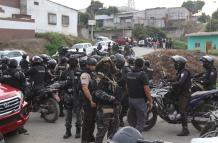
column 202, row 34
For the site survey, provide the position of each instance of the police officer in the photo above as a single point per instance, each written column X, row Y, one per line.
column 14, row 78
column 69, row 96
column 149, row 71
column 62, row 66
column 37, row 75
column 24, row 64
column 140, row 100
column 210, row 75
column 182, row 86
column 106, row 99
column 50, row 71
column 121, row 74
column 88, row 87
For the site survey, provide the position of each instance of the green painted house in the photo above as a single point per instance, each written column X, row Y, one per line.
column 203, row 41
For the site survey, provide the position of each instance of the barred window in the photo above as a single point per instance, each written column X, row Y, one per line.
column 52, row 19
column 65, row 20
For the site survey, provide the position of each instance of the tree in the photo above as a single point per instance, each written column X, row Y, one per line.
column 155, row 32
column 215, row 14
column 212, row 25
column 94, row 7
column 139, row 32
column 83, row 18
column 194, row 6
column 204, row 18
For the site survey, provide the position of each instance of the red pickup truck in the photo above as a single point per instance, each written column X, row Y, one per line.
column 13, row 109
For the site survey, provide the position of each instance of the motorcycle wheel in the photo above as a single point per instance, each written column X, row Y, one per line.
column 209, row 127
column 53, row 111
column 151, row 119
column 200, row 113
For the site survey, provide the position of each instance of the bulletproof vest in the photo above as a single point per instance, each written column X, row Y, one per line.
column 134, row 85
column 38, row 76
column 12, row 78
column 210, row 76
column 60, row 69
column 187, row 84
column 69, row 77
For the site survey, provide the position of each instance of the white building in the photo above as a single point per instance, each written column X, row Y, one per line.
column 51, row 17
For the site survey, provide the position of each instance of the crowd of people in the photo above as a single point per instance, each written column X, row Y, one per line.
column 165, row 43
column 100, row 89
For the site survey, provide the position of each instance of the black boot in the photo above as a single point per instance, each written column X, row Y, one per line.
column 184, row 132
column 61, row 114
column 78, row 132
column 68, row 133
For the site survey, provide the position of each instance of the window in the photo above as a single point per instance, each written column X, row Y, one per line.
column 2, row 10
column 197, row 45
column 52, row 19
column 36, row 3
column 65, row 20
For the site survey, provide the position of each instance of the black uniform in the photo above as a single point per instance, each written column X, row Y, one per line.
column 209, row 78
column 37, row 78
column 181, row 87
column 14, row 78
column 24, row 64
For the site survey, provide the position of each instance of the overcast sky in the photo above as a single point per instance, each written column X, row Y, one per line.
column 210, row 6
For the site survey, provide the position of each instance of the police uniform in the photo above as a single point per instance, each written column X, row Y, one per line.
column 108, row 109
column 24, row 64
column 136, row 79
column 209, row 78
column 88, row 127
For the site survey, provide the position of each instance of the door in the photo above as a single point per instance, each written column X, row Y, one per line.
column 208, row 46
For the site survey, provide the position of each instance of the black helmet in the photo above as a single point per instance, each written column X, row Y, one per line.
column 179, row 62
column 24, row 56
column 36, row 60
column 91, row 61
column 131, row 60
column 97, row 57
column 5, row 60
column 73, row 61
column 82, row 62
column 147, row 63
column 207, row 61
column 120, row 61
column 45, row 58
column 139, row 63
column 126, row 135
column 52, row 64
column 105, row 65
column 13, row 63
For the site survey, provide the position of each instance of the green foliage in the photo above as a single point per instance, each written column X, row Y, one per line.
column 215, row 15
column 107, row 11
column 178, row 44
column 155, row 32
column 94, row 7
column 204, row 18
column 194, row 6
column 56, row 40
column 83, row 18
column 139, row 32
column 212, row 25
column 213, row 52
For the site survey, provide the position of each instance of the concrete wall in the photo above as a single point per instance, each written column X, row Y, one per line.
column 40, row 14
column 11, row 29
column 7, row 11
column 10, row 3
column 178, row 13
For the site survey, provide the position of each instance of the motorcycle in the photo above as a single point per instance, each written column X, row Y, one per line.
column 166, row 108
column 212, row 124
column 46, row 102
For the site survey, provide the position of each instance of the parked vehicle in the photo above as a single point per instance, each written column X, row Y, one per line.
column 82, row 47
column 104, row 44
column 120, row 41
column 141, row 43
column 165, row 107
column 102, row 38
column 212, row 124
column 46, row 102
column 14, row 111
column 13, row 54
